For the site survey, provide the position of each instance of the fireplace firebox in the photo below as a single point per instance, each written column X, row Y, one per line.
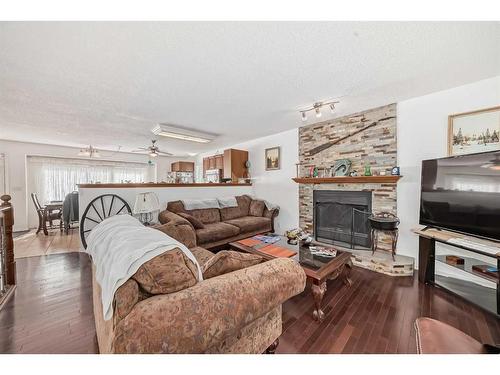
column 341, row 217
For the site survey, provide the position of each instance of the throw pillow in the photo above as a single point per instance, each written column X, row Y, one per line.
column 228, row 261
column 167, row 273
column 257, row 208
column 197, row 224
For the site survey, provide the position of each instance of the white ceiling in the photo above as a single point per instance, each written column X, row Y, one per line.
column 108, row 84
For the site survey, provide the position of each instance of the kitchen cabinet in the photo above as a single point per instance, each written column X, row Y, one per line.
column 234, row 164
column 182, row 166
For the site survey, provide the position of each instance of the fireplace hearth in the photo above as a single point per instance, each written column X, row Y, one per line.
column 341, row 217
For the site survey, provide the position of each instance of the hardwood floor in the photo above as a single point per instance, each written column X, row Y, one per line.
column 30, row 244
column 51, row 312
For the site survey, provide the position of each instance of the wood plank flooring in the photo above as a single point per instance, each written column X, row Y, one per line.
column 51, row 312
column 30, row 244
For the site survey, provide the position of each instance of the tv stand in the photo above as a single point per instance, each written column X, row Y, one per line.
column 486, row 298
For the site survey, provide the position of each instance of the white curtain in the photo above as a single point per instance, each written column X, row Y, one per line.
column 53, row 178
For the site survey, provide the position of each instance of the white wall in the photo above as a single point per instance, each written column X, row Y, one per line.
column 274, row 186
column 422, row 134
column 17, row 181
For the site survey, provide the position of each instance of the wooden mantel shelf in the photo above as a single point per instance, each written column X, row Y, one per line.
column 349, row 180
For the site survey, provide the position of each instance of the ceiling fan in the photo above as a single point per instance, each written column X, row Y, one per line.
column 152, row 150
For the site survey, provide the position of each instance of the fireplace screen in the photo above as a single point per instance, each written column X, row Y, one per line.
column 341, row 217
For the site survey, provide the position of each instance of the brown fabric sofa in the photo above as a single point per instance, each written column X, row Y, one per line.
column 225, row 225
column 237, row 312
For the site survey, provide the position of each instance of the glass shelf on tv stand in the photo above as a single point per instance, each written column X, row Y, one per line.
column 485, row 297
column 467, row 266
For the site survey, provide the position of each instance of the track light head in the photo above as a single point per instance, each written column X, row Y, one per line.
column 316, row 107
column 318, row 112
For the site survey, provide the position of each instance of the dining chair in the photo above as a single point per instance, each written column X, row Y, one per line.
column 46, row 215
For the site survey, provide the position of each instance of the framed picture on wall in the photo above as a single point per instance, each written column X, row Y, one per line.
column 475, row 131
column 273, row 157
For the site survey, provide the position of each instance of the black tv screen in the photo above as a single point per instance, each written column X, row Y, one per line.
column 462, row 193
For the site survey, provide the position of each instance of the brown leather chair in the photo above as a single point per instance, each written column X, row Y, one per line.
column 435, row 337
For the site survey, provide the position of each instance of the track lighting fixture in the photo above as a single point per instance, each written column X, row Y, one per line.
column 317, row 109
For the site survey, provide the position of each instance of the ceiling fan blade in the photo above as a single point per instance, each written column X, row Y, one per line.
column 139, row 150
column 164, row 153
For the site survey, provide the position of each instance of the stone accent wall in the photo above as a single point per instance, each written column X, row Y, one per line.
column 376, row 146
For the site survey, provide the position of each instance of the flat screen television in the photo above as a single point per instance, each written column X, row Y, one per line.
column 462, row 194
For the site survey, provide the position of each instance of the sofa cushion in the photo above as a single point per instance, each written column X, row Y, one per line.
column 236, row 212
column 167, row 273
column 206, row 216
column 229, row 261
column 197, row 224
column 182, row 232
column 126, row 296
column 215, row 232
column 256, row 208
column 201, row 254
column 251, row 224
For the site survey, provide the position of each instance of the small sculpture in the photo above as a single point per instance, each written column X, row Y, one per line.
column 294, row 235
column 341, row 167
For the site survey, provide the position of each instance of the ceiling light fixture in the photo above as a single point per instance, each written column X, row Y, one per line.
column 317, row 109
column 90, row 152
column 170, row 131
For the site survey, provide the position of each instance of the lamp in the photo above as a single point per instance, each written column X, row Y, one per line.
column 145, row 205
column 316, row 107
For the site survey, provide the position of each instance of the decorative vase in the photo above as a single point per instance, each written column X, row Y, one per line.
column 368, row 170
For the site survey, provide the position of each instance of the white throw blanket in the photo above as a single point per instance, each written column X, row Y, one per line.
column 200, row 204
column 226, row 202
column 119, row 245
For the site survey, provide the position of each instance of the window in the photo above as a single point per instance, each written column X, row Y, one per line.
column 53, row 178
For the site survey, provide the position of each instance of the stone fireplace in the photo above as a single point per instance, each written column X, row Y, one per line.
column 365, row 138
column 342, row 217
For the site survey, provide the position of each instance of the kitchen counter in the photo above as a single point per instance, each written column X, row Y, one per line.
column 158, row 185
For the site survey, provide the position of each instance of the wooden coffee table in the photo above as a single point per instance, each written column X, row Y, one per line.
column 318, row 269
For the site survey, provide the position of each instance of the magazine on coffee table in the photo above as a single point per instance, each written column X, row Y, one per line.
column 267, row 238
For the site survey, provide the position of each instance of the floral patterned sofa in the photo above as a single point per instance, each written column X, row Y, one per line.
column 163, row 308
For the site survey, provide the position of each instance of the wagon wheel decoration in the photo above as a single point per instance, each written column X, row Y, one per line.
column 100, row 208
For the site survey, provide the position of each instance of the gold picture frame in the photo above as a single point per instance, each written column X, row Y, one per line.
column 474, row 131
column 272, row 158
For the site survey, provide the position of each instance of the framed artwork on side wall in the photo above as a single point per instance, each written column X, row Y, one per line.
column 475, row 131
column 273, row 158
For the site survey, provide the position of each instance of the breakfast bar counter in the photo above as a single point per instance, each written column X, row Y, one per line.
column 164, row 191
column 159, row 184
